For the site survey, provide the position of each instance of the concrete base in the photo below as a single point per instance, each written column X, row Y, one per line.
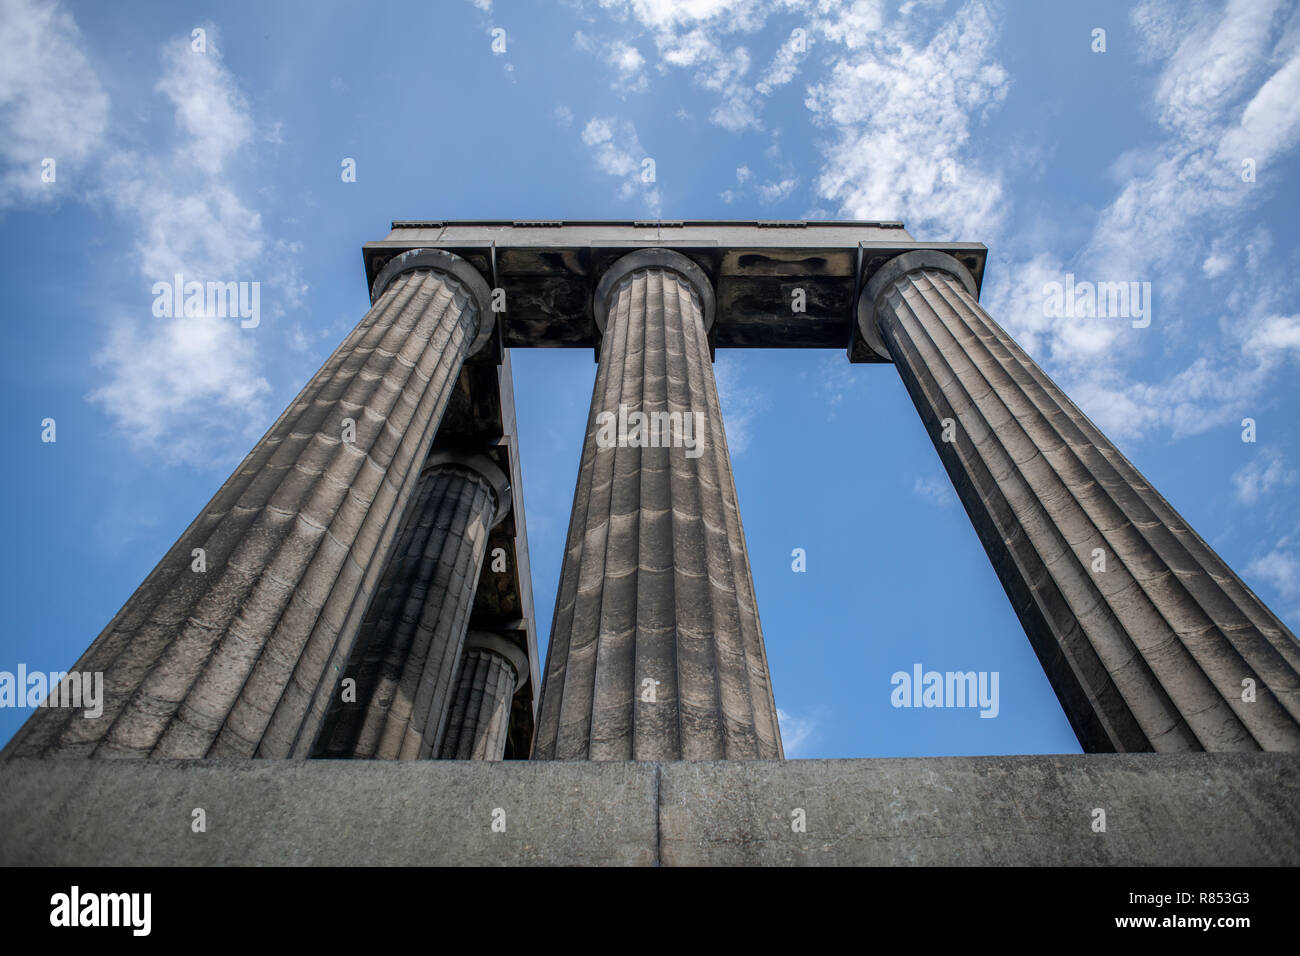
column 1194, row 809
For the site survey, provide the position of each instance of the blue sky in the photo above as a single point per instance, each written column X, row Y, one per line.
column 980, row 121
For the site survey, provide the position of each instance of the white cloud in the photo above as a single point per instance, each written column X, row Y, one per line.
column 626, row 58
column 782, row 69
column 171, row 385
column 796, row 732
column 52, row 104
column 187, row 388
column 622, row 57
column 1220, row 260
column 694, row 35
column 1277, row 333
column 193, row 388
column 769, row 192
column 668, row 14
column 900, row 106
column 627, row 62
column 1280, row 570
column 1257, row 478
column 1182, row 216
column 618, row 152
column 743, row 175
column 936, row 489
column 1222, row 97
column 563, row 116
column 774, row 192
column 211, row 113
column 724, row 73
column 1200, row 397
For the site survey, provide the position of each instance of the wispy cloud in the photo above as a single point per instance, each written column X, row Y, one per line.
column 1227, row 92
column 936, row 489
column 624, row 59
column 618, row 152
column 900, row 102
column 701, row 37
column 768, row 193
column 1280, row 570
column 52, row 105
column 193, row 388
column 1259, row 477
column 1184, row 215
column 785, row 64
column 796, row 732
column 771, row 192
column 172, row 387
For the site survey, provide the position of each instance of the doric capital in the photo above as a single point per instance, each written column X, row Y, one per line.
column 653, row 259
column 481, row 465
column 505, row 649
column 892, row 271
column 453, row 269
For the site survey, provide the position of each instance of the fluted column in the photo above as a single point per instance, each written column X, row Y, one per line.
column 1146, row 635
column 656, row 651
column 404, row 660
column 491, row 670
column 226, row 661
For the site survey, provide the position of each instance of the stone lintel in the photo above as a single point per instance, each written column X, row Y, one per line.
column 549, row 270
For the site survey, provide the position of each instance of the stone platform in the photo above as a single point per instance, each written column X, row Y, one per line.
column 1229, row 809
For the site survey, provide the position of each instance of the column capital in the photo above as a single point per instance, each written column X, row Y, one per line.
column 454, row 268
column 507, row 650
column 891, row 272
column 480, row 464
column 653, row 258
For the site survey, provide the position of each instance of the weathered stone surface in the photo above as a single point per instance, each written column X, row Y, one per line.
column 1161, row 809
column 1149, row 650
column 228, row 662
column 325, row 813
column 405, row 658
column 656, row 651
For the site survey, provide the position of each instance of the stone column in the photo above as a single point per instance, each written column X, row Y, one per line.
column 491, row 670
column 656, row 651
column 227, row 660
column 404, row 660
column 1146, row 635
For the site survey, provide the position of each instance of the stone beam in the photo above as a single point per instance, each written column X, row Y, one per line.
column 549, row 269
